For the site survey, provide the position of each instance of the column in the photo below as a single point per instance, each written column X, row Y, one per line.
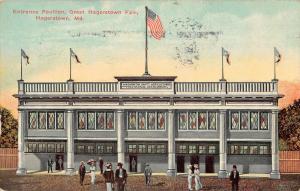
column 121, row 136
column 21, row 167
column 171, row 144
column 223, row 145
column 275, row 154
column 70, row 143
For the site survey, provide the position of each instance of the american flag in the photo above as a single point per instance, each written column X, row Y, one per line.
column 226, row 54
column 277, row 55
column 154, row 23
column 74, row 55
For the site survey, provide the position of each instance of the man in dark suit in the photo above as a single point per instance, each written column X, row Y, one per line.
column 81, row 172
column 235, row 178
column 121, row 177
column 50, row 164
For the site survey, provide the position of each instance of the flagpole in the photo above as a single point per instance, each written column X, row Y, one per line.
column 70, row 66
column 21, row 66
column 274, row 65
column 222, row 65
column 146, row 43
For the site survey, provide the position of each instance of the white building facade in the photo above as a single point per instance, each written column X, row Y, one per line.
column 150, row 119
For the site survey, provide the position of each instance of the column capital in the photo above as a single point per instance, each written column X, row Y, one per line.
column 223, row 110
column 275, row 111
column 120, row 110
column 70, row 111
column 171, row 110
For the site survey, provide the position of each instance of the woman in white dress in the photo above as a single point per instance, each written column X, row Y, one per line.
column 198, row 184
column 190, row 177
column 93, row 172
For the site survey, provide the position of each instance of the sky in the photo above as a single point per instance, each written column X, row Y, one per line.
column 111, row 45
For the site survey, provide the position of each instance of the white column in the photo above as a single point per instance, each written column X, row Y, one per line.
column 70, row 143
column 171, row 144
column 275, row 154
column 223, row 145
column 21, row 130
column 121, row 136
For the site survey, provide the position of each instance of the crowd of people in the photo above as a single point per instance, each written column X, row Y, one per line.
column 113, row 180
column 194, row 172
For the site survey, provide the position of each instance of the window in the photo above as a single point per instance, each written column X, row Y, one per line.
column 151, row 148
column 254, row 120
column 192, row 149
column 234, row 149
column 182, row 149
column 32, row 148
column 51, row 148
column 263, row 149
column 60, row 148
column 51, row 120
column 253, row 150
column 182, row 121
column 151, row 120
column 109, row 120
column 96, row 120
column 80, row 149
column 235, row 121
column 91, row 120
column 161, row 120
column 142, row 120
column 32, row 120
column 60, row 120
column 263, row 121
column 146, row 120
column 101, row 120
column 109, row 149
column 132, row 148
column 90, row 149
column 244, row 120
column 161, row 149
column 100, row 148
column 202, row 124
column 142, row 149
column 42, row 120
column 192, row 121
column 202, row 149
column 42, row 148
column 211, row 149
column 81, row 121
column 212, row 121
column 132, row 120
column 243, row 149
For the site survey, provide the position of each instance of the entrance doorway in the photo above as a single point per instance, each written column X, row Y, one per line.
column 209, row 164
column 132, row 163
column 194, row 159
column 59, row 162
column 180, row 164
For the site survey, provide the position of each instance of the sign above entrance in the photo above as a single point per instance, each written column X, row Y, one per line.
column 146, row 85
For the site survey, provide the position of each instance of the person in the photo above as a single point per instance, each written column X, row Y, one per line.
column 93, row 171
column 234, row 178
column 133, row 165
column 81, row 172
column 148, row 173
column 50, row 164
column 190, row 177
column 60, row 161
column 121, row 177
column 198, row 184
column 101, row 165
column 109, row 177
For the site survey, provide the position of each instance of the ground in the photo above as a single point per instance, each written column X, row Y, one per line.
column 10, row 182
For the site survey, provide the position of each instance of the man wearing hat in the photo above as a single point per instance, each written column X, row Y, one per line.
column 148, row 173
column 121, row 177
column 109, row 177
column 234, row 178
